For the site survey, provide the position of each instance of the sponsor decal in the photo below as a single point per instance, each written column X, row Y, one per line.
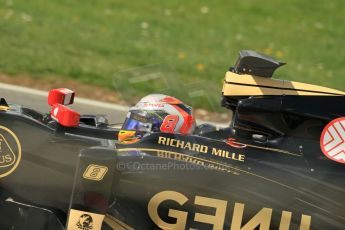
column 232, row 142
column 228, row 155
column 203, row 163
column 95, row 172
column 195, row 160
column 80, row 220
column 10, row 151
column 199, row 148
column 182, row 144
column 261, row 220
column 332, row 141
column 85, row 222
column 154, row 105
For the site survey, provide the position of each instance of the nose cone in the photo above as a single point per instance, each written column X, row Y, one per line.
column 127, row 136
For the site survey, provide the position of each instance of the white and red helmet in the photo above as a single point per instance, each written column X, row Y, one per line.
column 157, row 113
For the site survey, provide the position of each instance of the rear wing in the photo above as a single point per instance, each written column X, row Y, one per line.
column 250, row 85
column 254, row 63
column 251, row 76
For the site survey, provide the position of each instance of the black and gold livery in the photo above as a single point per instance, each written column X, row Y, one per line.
column 264, row 171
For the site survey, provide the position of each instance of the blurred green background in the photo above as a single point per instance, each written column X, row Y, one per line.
column 109, row 42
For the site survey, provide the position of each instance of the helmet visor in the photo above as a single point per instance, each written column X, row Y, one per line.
column 133, row 124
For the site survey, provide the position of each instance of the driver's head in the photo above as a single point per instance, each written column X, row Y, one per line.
column 157, row 113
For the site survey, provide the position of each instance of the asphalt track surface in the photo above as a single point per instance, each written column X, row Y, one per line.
column 37, row 99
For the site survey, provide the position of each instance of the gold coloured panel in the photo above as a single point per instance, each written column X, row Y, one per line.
column 95, row 172
column 80, row 220
column 248, row 85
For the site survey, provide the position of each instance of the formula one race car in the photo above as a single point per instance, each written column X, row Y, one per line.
column 279, row 165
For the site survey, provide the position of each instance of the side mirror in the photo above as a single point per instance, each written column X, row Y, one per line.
column 65, row 116
column 62, row 96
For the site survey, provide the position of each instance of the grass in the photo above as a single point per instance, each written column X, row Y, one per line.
column 175, row 47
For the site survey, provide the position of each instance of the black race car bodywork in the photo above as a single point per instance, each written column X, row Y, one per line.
column 267, row 170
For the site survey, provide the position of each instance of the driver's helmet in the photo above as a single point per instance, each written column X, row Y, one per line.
column 156, row 113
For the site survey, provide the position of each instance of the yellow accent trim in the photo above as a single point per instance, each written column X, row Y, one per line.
column 282, row 87
column 271, row 149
